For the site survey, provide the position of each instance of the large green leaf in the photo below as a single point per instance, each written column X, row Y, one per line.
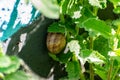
column 4, row 61
column 97, row 26
column 15, row 64
column 101, row 45
column 19, row 75
column 49, row 8
column 73, row 69
column 101, row 72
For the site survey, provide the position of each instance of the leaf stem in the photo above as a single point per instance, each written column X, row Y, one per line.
column 91, row 72
column 91, row 65
column 110, row 70
column 91, row 43
column 113, row 78
column 82, row 76
column 74, row 58
column 77, row 30
column 62, row 19
column 95, row 11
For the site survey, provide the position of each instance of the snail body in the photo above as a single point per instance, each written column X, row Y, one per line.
column 55, row 42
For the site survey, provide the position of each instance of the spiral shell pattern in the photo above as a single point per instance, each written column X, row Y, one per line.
column 55, row 42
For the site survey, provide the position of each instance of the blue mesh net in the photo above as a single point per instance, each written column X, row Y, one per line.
column 15, row 14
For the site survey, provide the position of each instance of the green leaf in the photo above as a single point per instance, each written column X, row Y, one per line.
column 49, row 8
column 117, row 58
column 117, row 10
column 116, row 4
column 64, row 5
column 62, row 57
column 117, row 52
column 4, row 61
column 73, row 70
column 86, row 13
column 75, row 11
column 116, row 22
column 72, row 8
column 65, row 57
column 19, row 75
column 101, row 45
column 98, row 3
column 85, row 53
column 96, row 58
column 15, row 64
column 97, row 26
column 54, row 57
column 56, row 27
column 101, row 72
column 70, row 27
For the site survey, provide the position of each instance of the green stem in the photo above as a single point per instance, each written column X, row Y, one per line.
column 68, row 35
column 62, row 19
column 95, row 11
column 77, row 30
column 91, row 65
column 81, row 1
column 113, row 78
column 91, row 72
column 110, row 70
column 82, row 76
column 74, row 58
column 91, row 43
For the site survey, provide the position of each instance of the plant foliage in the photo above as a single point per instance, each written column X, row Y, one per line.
column 9, row 68
column 91, row 40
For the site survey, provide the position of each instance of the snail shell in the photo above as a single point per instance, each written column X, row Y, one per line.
column 55, row 42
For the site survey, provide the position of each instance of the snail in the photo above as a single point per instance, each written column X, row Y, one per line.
column 55, row 42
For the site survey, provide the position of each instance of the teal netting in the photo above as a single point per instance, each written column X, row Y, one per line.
column 15, row 14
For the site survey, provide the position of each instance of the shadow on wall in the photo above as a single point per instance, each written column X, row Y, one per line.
column 29, row 43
